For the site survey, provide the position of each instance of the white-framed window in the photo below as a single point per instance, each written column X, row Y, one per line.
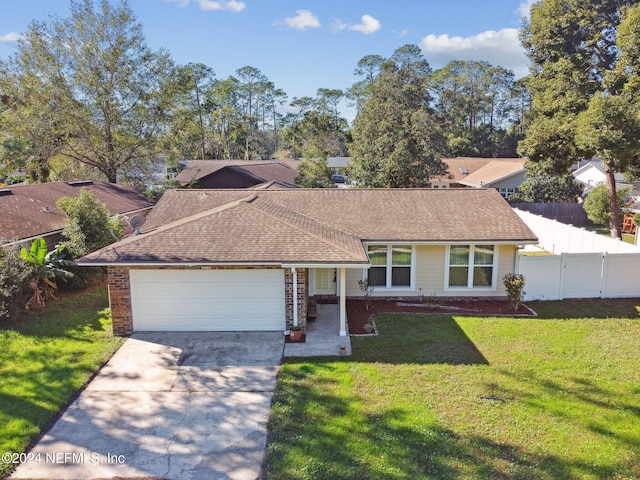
column 506, row 192
column 471, row 266
column 392, row 266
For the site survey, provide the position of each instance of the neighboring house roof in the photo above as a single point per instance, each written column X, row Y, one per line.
column 494, row 171
column 461, row 167
column 259, row 171
column 29, row 211
column 318, row 226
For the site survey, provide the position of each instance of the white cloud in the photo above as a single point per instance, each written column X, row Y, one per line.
column 501, row 48
column 337, row 25
column 225, row 5
column 11, row 37
column 230, row 5
column 303, row 19
column 524, row 9
column 368, row 25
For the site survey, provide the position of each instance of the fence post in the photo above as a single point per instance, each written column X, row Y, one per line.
column 563, row 267
column 603, row 274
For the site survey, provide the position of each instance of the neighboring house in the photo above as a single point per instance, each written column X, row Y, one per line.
column 591, row 174
column 250, row 259
column 236, row 173
column 504, row 174
column 30, row 211
column 459, row 168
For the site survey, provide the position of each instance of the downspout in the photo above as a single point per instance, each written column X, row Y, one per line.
column 295, row 296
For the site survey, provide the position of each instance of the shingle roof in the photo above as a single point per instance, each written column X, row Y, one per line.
column 261, row 171
column 495, row 170
column 460, row 167
column 27, row 211
column 311, row 225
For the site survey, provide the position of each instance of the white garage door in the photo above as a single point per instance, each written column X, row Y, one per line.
column 207, row 300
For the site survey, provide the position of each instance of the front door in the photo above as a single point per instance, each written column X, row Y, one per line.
column 324, row 281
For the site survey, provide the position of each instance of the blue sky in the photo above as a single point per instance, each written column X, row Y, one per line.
column 303, row 45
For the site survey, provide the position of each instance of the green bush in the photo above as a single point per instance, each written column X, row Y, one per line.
column 514, row 284
column 89, row 226
column 15, row 276
column 597, row 204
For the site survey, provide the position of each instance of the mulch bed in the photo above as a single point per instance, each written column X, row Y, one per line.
column 358, row 315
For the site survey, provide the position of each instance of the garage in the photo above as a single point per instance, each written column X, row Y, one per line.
column 207, row 300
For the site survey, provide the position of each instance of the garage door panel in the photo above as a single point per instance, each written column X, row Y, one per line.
column 207, row 300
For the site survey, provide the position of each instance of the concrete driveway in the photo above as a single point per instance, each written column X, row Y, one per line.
column 172, row 405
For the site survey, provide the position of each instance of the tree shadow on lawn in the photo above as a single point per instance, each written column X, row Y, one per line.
column 417, row 339
column 317, row 434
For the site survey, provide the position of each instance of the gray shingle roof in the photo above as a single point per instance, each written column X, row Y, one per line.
column 311, row 225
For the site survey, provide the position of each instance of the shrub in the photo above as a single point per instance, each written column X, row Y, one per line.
column 597, row 203
column 367, row 289
column 514, row 284
column 15, row 276
column 89, row 226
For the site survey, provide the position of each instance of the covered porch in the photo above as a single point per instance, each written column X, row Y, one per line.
column 308, row 281
column 323, row 335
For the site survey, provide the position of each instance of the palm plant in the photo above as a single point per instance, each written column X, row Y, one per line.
column 47, row 267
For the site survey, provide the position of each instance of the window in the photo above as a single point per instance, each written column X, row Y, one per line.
column 391, row 265
column 471, row 266
column 507, row 192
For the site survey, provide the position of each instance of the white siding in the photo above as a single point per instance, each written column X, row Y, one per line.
column 430, row 275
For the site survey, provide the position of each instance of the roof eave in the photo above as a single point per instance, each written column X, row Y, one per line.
column 302, row 264
column 489, row 183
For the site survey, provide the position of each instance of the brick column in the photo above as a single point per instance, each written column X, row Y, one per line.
column 302, row 290
column 120, row 300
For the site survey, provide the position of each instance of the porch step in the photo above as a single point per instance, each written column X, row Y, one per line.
column 326, row 299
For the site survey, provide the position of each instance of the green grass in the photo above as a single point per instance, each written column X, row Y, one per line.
column 452, row 397
column 46, row 359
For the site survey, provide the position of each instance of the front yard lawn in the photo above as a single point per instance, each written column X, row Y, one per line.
column 452, row 397
column 46, row 359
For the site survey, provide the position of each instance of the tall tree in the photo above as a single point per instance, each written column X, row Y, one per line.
column 474, row 101
column 270, row 100
column 369, row 68
column 396, row 138
column 189, row 118
column 583, row 86
column 227, row 124
column 103, row 85
column 252, row 82
column 199, row 78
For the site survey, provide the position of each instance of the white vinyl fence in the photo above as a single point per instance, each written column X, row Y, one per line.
column 583, row 264
column 557, row 237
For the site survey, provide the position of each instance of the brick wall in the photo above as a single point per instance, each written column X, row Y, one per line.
column 120, row 294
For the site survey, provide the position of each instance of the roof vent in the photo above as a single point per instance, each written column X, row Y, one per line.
column 4, row 193
column 80, row 183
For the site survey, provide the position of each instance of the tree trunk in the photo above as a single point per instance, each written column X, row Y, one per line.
column 614, row 208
